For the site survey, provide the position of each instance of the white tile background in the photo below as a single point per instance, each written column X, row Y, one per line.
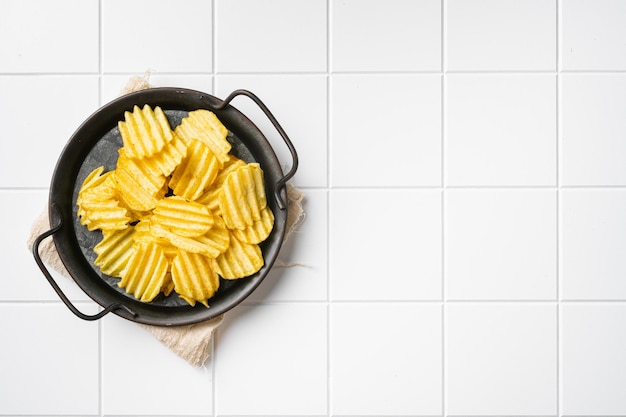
column 463, row 161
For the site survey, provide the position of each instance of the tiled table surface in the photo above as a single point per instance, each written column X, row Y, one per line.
column 464, row 249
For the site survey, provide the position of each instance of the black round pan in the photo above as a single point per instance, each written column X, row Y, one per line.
column 96, row 143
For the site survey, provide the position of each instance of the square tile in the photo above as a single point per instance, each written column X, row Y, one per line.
column 385, row 244
column 501, row 244
column 593, row 371
column 16, row 220
column 279, row 36
column 397, row 35
column 500, row 129
column 51, row 365
column 157, row 375
column 494, row 35
column 593, row 129
column 385, row 130
column 300, row 104
column 385, row 359
column 501, row 359
column 151, row 34
column 301, row 271
column 112, row 84
column 593, row 240
column 69, row 100
column 42, row 37
column 593, row 33
column 272, row 360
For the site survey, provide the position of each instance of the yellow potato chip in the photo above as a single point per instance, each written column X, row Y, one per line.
column 185, row 218
column 98, row 207
column 259, row 230
column 205, row 245
column 196, row 171
column 144, row 131
column 146, row 271
column 239, row 260
column 167, row 159
column 114, row 251
column 243, row 196
column 206, row 127
column 210, row 197
column 138, row 186
column 194, row 278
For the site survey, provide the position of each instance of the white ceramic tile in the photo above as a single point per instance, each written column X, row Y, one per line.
column 593, row 239
column 272, row 360
column 593, row 129
column 385, row 245
column 49, row 361
column 42, row 36
column 385, row 359
column 593, row 370
column 592, row 35
column 385, row 130
column 112, row 84
column 501, row 244
column 270, row 35
column 501, row 35
column 500, row 129
column 299, row 103
column 301, row 271
column 397, row 35
column 29, row 157
column 140, row 376
column 501, row 359
column 157, row 35
column 25, row 282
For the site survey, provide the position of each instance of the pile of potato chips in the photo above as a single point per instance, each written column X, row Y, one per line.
column 178, row 211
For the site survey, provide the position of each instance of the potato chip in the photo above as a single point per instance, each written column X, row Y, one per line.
column 146, row 271
column 204, row 245
column 194, row 278
column 144, row 131
column 98, row 207
column 210, row 197
column 206, row 127
column 259, row 230
column 138, row 186
column 114, row 251
column 196, row 171
column 239, row 260
column 167, row 159
column 185, row 218
column 243, row 196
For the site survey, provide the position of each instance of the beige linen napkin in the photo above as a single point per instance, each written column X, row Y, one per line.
column 190, row 342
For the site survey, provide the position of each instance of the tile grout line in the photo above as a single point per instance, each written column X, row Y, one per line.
column 559, row 227
column 444, row 350
column 328, row 197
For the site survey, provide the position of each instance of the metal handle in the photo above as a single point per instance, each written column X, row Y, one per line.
column 56, row 287
column 280, row 184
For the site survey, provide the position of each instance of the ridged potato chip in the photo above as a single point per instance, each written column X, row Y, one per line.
column 194, row 278
column 243, row 196
column 239, row 260
column 258, row 231
column 144, row 131
column 196, row 171
column 114, row 251
column 167, row 159
column 185, row 218
column 206, row 127
column 138, row 186
column 98, row 207
column 146, row 271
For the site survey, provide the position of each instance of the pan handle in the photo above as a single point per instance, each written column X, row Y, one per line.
column 280, row 184
column 56, row 287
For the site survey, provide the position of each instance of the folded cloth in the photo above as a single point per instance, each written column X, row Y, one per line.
column 190, row 342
